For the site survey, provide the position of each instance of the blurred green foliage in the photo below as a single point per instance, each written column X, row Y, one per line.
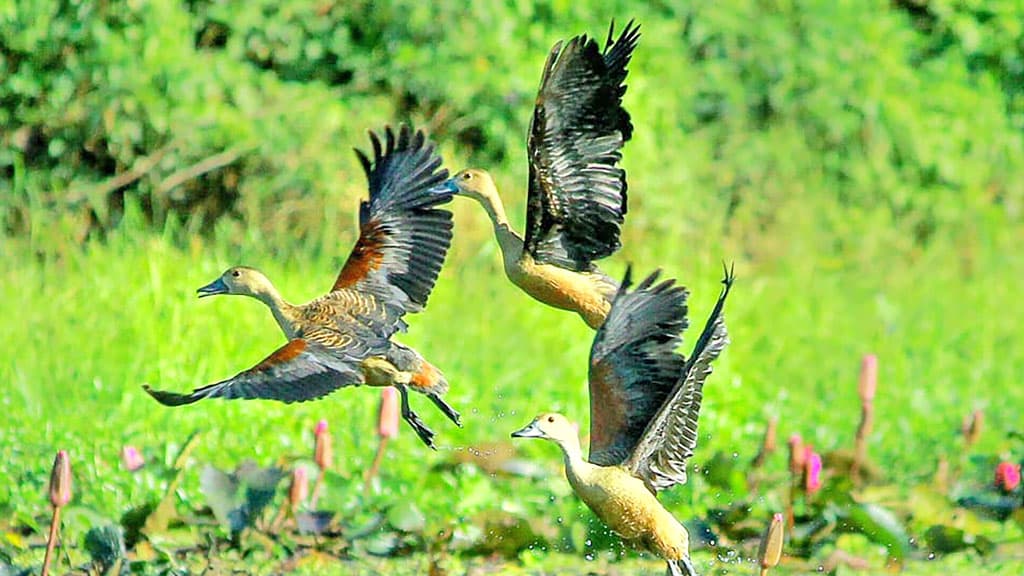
column 204, row 110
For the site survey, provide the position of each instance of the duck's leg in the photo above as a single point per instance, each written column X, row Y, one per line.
column 421, row 429
column 681, row 567
column 450, row 412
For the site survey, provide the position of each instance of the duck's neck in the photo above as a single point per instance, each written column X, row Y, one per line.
column 284, row 312
column 576, row 468
column 511, row 244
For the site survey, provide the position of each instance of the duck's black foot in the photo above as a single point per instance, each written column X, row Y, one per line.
column 450, row 412
column 681, row 567
column 418, row 426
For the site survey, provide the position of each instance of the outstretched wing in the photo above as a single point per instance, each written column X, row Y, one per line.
column 577, row 196
column 633, row 365
column 303, row 369
column 667, row 444
column 404, row 236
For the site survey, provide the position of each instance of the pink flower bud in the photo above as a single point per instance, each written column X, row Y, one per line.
column 812, row 471
column 323, row 452
column 868, row 378
column 796, row 454
column 387, row 414
column 299, row 489
column 60, row 480
column 771, row 543
column 1007, row 476
column 131, row 458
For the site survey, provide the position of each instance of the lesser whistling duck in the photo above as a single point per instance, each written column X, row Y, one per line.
column 344, row 337
column 644, row 404
column 577, row 192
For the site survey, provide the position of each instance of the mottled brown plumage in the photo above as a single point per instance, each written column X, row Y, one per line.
column 577, row 192
column 645, row 402
column 343, row 338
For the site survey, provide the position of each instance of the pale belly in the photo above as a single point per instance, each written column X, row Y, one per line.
column 624, row 504
column 563, row 289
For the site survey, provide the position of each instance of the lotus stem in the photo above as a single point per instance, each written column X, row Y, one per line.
column 51, row 542
column 375, row 466
column 60, row 495
column 867, row 386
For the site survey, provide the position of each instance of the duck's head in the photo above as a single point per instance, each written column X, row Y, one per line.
column 239, row 280
column 550, row 426
column 474, row 183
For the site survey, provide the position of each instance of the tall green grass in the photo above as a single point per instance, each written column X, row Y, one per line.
column 86, row 330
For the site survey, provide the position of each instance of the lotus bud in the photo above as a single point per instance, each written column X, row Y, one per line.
column 1007, row 476
column 771, row 544
column 797, row 455
column 812, row 471
column 60, row 480
column 60, row 495
column 323, row 453
column 131, row 458
column 769, row 443
column 868, row 378
column 387, row 414
column 972, row 427
column 299, row 489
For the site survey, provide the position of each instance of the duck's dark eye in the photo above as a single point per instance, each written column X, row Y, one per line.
column 551, row 418
column 236, row 273
column 467, row 176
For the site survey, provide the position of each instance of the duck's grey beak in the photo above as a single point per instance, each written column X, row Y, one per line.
column 446, row 187
column 213, row 288
column 530, row 431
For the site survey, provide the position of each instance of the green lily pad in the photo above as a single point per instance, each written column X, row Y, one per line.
column 105, row 545
column 405, row 516
column 880, row 525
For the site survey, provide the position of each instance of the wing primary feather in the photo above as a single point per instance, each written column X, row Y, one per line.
column 633, row 364
column 661, row 455
column 404, row 235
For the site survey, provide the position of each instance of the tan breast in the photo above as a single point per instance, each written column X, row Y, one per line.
column 623, row 502
column 565, row 289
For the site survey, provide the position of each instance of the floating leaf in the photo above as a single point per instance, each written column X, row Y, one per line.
column 105, row 545
column 405, row 516
column 222, row 495
column 995, row 506
column 880, row 525
column 313, row 522
column 507, row 534
column 238, row 498
column 382, row 543
column 945, row 539
column 260, row 485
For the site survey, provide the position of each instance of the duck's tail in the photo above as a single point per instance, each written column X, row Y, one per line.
column 681, row 567
column 424, row 378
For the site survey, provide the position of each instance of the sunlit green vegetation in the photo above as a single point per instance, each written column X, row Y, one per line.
column 861, row 165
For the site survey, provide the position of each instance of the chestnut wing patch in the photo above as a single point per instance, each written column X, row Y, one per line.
column 303, row 369
column 577, row 194
column 404, row 237
column 633, row 365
